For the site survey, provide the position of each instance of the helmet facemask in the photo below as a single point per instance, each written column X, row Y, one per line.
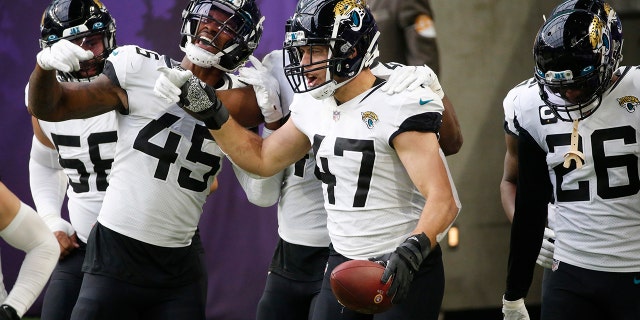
column 237, row 30
column 79, row 22
column 574, row 63
column 348, row 32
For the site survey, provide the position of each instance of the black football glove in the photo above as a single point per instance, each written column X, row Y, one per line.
column 7, row 312
column 180, row 86
column 200, row 100
column 403, row 263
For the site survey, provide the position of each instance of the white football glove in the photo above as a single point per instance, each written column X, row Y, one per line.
column 266, row 88
column 514, row 310
column 410, row 78
column 169, row 83
column 63, row 55
column 545, row 257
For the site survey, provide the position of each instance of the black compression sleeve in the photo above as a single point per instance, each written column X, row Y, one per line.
column 533, row 194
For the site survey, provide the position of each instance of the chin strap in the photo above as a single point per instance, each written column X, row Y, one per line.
column 574, row 154
column 328, row 89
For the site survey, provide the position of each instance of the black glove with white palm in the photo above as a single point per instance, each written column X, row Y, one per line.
column 403, row 264
column 266, row 88
column 62, row 55
column 180, row 86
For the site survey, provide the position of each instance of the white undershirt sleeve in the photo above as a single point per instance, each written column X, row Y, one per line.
column 28, row 233
column 48, row 184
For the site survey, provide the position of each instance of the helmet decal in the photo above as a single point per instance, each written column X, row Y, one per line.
column 99, row 4
column 595, row 32
column 576, row 52
column 348, row 32
column 351, row 12
column 75, row 20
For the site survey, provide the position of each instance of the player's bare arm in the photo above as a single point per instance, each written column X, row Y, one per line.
column 450, row 132
column 420, row 156
column 51, row 100
column 509, row 176
column 9, row 206
column 264, row 157
column 243, row 106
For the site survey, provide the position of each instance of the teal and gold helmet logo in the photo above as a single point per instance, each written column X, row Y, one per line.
column 99, row 4
column 351, row 11
column 629, row 103
column 369, row 118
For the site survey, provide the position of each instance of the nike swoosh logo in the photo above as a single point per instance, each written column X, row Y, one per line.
column 423, row 102
column 636, row 281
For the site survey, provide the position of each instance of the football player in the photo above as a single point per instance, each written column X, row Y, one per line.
column 78, row 150
column 364, row 141
column 23, row 229
column 577, row 146
column 297, row 267
column 140, row 258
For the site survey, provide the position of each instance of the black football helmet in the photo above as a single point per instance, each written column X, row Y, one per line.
column 605, row 12
column 73, row 19
column 575, row 61
column 243, row 23
column 346, row 27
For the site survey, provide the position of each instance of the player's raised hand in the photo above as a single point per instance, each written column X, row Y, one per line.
column 63, row 55
column 266, row 88
column 191, row 94
column 169, row 83
column 410, row 78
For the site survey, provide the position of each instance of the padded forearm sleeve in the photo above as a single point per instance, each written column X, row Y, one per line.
column 28, row 233
column 48, row 184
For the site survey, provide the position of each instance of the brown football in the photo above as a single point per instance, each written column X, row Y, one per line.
column 357, row 286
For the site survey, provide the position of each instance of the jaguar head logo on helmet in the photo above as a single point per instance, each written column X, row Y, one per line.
column 576, row 52
column 346, row 34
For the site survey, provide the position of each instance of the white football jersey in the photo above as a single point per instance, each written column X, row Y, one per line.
column 597, row 206
column 371, row 202
column 302, row 219
column 165, row 159
column 86, row 149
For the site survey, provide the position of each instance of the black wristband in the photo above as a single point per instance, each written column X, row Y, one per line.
column 219, row 116
column 8, row 312
column 425, row 243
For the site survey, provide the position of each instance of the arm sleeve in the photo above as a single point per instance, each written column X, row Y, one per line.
column 532, row 197
column 416, row 19
column 48, row 184
column 261, row 191
column 28, row 233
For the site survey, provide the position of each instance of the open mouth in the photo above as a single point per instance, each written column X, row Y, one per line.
column 204, row 41
column 312, row 81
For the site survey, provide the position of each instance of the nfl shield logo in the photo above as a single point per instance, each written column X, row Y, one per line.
column 336, row 115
